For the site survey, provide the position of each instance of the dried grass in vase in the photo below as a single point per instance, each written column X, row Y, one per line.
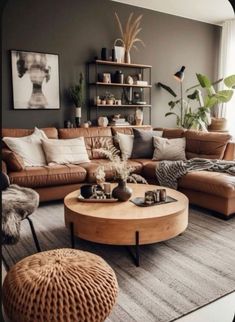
column 129, row 34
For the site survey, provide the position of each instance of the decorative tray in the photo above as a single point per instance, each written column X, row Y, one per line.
column 139, row 201
column 82, row 199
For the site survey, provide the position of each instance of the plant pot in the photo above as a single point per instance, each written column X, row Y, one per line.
column 109, row 102
column 122, row 192
column 218, row 124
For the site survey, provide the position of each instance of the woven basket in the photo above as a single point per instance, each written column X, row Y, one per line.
column 63, row 285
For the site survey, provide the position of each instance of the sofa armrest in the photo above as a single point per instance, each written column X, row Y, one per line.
column 229, row 153
column 4, row 167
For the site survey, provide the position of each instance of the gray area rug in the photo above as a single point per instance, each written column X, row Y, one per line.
column 175, row 277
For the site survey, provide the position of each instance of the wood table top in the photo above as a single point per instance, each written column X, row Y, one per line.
column 127, row 210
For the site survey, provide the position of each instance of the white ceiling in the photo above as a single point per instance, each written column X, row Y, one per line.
column 210, row 11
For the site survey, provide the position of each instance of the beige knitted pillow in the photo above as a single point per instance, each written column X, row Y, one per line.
column 165, row 149
column 65, row 151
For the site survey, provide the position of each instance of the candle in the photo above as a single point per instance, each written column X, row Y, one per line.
column 78, row 112
column 107, row 187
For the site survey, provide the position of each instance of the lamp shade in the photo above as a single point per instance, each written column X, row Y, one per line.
column 180, row 74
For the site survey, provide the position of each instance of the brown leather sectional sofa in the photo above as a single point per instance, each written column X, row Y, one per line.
column 212, row 190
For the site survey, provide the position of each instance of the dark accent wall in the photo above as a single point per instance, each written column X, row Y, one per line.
column 77, row 29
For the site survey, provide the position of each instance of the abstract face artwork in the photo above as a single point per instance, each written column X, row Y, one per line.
column 35, row 80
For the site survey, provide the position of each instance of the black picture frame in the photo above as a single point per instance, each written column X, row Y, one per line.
column 35, row 80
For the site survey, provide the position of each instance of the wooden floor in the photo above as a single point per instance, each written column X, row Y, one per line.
column 174, row 277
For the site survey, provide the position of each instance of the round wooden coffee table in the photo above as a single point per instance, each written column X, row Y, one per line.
column 124, row 223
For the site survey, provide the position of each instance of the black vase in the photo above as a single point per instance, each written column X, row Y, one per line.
column 122, row 192
column 104, row 54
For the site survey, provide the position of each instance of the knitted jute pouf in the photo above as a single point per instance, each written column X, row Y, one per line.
column 63, row 285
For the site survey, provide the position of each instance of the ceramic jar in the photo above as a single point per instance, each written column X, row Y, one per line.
column 103, row 121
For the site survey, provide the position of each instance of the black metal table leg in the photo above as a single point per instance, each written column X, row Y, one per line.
column 5, row 263
column 71, row 226
column 34, row 234
column 136, row 255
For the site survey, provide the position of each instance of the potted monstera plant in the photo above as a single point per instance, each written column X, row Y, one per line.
column 205, row 95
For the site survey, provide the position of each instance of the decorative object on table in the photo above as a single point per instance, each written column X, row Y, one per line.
column 103, row 121
column 119, row 77
column 87, row 190
column 77, row 95
column 100, row 175
column 104, row 54
column 129, row 35
column 129, row 80
column 141, row 202
column 43, row 72
column 123, row 173
column 122, row 192
column 96, row 193
column 199, row 118
column 78, row 280
column 107, row 78
column 119, row 51
column 139, row 116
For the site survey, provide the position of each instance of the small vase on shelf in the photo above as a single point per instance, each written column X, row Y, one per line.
column 78, row 115
column 122, row 192
column 127, row 57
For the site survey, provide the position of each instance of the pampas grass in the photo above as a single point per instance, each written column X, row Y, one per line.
column 129, row 32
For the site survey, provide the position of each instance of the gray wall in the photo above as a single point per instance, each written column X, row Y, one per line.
column 77, row 29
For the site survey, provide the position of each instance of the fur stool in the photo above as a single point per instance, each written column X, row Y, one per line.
column 60, row 285
column 17, row 204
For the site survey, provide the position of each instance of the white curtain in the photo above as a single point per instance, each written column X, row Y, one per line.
column 226, row 68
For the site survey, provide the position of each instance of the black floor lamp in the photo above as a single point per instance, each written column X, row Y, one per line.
column 179, row 76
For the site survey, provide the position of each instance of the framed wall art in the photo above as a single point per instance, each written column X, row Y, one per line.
column 35, row 80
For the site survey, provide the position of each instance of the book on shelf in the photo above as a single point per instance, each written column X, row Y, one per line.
column 119, row 124
column 141, row 83
column 119, row 120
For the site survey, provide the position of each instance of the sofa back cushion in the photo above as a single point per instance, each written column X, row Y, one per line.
column 207, row 145
column 173, row 133
column 51, row 132
column 129, row 130
column 95, row 138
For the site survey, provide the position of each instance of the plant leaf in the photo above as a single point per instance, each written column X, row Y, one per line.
column 204, row 81
column 167, row 88
column 193, row 96
column 119, row 24
column 224, row 96
column 230, row 81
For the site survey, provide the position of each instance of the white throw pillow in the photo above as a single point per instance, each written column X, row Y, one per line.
column 126, row 144
column 65, row 151
column 165, row 149
column 29, row 148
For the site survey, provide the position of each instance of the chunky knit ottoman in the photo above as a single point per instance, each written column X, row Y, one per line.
column 63, row 285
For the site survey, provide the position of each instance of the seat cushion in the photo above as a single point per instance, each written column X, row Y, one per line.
column 91, row 169
column 149, row 170
column 214, row 183
column 48, row 176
